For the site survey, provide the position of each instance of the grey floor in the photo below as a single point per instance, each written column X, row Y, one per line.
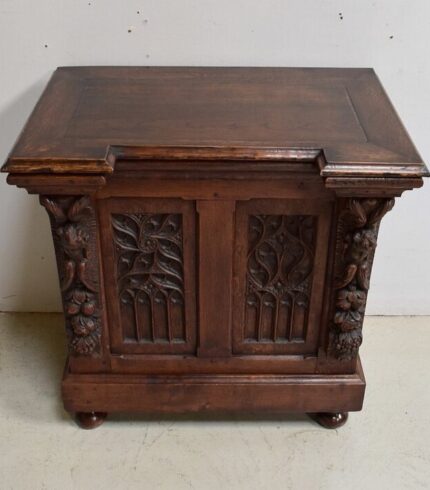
column 387, row 445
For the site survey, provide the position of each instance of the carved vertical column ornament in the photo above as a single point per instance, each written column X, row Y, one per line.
column 356, row 237
column 73, row 225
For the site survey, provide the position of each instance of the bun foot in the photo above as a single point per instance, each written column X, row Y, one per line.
column 90, row 420
column 330, row 420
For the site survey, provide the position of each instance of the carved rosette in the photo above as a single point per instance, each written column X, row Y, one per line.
column 357, row 232
column 74, row 232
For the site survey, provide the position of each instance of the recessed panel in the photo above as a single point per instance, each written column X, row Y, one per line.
column 150, row 276
column 185, row 114
column 280, row 265
column 152, row 250
column 281, row 249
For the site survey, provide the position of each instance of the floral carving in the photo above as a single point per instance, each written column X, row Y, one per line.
column 73, row 221
column 357, row 233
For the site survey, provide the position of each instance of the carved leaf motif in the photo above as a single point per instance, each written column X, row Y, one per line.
column 170, row 251
column 54, row 209
column 78, row 209
column 380, row 211
column 346, row 344
column 82, row 275
column 85, row 345
column 363, row 278
column 127, row 232
column 299, row 270
column 69, row 275
column 164, row 282
column 356, row 213
column 349, row 274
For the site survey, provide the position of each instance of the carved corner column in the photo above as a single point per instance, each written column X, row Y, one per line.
column 357, row 228
column 74, row 229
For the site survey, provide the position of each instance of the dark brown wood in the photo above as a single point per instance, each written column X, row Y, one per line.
column 214, row 393
column 215, row 276
column 149, row 259
column 79, row 124
column 357, row 231
column 215, row 230
column 90, row 420
column 74, row 231
column 277, row 276
column 329, row 420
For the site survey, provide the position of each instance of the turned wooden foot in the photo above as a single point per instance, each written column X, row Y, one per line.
column 330, row 420
column 90, row 420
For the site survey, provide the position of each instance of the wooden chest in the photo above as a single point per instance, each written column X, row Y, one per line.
column 214, row 230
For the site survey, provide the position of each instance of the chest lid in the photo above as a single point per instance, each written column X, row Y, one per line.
column 90, row 117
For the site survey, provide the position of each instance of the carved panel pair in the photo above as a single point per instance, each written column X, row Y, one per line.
column 280, row 262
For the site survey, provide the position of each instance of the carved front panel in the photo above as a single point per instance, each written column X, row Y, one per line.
column 278, row 264
column 150, row 275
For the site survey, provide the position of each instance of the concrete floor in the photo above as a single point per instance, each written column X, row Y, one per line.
column 387, row 445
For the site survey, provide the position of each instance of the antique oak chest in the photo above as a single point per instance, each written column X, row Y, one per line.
column 214, row 230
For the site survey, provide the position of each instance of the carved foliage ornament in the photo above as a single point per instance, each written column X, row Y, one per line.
column 73, row 226
column 357, row 232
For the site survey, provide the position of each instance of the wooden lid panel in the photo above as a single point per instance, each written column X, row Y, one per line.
column 88, row 116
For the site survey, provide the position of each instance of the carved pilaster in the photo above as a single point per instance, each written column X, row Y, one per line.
column 73, row 225
column 356, row 237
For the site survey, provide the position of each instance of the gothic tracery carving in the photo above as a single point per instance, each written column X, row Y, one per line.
column 279, row 273
column 150, row 275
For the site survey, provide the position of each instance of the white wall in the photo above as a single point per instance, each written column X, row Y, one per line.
column 392, row 36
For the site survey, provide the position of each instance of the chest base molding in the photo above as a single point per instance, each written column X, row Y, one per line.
column 173, row 394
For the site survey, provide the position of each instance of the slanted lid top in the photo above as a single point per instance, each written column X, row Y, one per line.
column 90, row 116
